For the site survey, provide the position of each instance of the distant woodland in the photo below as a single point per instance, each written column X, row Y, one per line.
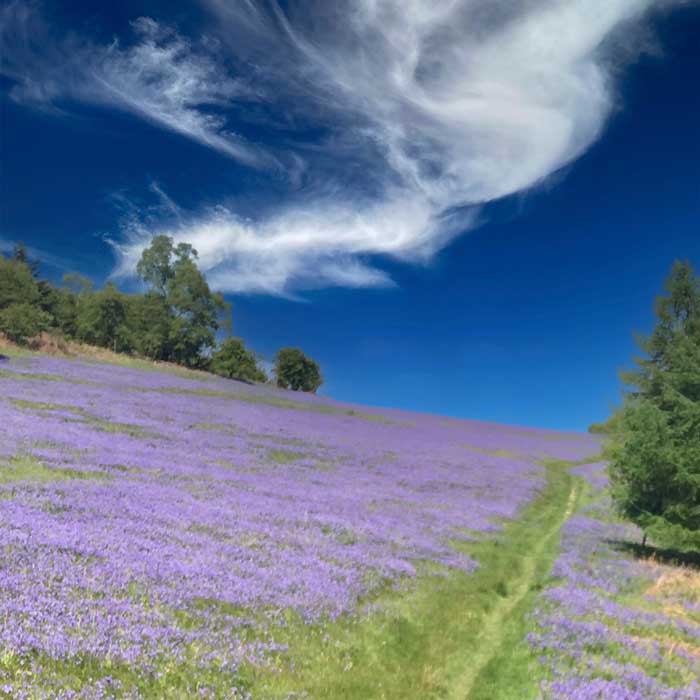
column 177, row 319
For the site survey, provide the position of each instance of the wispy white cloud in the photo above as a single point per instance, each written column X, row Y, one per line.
column 431, row 111
column 318, row 244
column 159, row 76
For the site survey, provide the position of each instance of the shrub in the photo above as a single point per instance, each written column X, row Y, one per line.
column 294, row 370
column 22, row 321
column 233, row 360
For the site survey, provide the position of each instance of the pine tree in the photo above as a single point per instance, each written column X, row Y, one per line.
column 655, row 468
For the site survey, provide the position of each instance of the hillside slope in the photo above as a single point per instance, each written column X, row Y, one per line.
column 172, row 536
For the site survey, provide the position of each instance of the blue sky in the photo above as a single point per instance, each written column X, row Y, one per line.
column 456, row 210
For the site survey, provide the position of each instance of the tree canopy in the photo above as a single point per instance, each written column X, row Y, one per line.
column 178, row 318
column 233, row 360
column 184, row 302
column 294, row 370
column 655, row 465
column 21, row 316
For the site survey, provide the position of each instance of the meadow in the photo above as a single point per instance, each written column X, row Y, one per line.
column 177, row 535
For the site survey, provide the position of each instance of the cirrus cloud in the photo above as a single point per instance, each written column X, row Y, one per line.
column 429, row 111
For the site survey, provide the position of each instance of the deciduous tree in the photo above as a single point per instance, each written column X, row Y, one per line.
column 195, row 312
column 102, row 320
column 294, row 370
column 233, row 360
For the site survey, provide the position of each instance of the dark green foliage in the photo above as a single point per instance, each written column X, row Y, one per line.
column 21, row 316
column 609, row 427
column 23, row 321
column 77, row 284
column 150, row 323
column 20, row 255
column 176, row 320
column 102, row 320
column 70, row 303
column 155, row 266
column 64, row 311
column 192, row 310
column 233, row 360
column 655, row 465
column 17, row 284
column 296, row 371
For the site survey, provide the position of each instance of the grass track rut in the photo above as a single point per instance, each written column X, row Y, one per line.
column 489, row 644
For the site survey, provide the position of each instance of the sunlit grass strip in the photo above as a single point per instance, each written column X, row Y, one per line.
column 81, row 414
column 414, row 641
column 418, row 641
column 279, row 402
column 7, row 374
column 27, row 468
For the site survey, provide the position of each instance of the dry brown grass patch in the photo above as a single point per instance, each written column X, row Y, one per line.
column 670, row 645
column 677, row 583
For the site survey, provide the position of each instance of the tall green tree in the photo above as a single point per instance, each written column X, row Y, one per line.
column 196, row 313
column 195, row 308
column 20, row 254
column 150, row 322
column 102, row 320
column 21, row 316
column 294, row 370
column 178, row 318
column 67, row 302
column 155, row 266
column 655, row 466
column 17, row 283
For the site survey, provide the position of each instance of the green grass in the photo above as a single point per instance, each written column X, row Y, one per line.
column 222, row 427
column 268, row 438
column 376, row 417
column 455, row 636
column 655, row 595
column 278, row 402
column 151, row 365
column 442, row 635
column 280, row 456
column 7, row 374
column 28, row 468
column 508, row 454
column 82, row 415
column 511, row 672
column 13, row 351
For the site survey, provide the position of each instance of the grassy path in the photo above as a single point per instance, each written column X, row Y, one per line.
column 460, row 637
column 502, row 628
column 454, row 637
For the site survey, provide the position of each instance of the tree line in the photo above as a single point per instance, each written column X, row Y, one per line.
column 654, row 445
column 178, row 319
